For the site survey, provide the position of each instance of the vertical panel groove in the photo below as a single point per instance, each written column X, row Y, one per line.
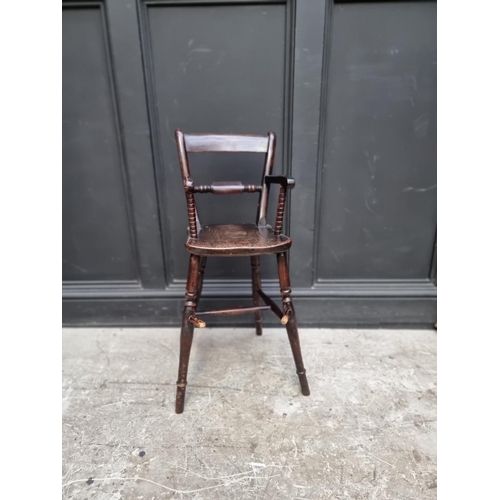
column 158, row 163
column 322, row 130
column 288, row 100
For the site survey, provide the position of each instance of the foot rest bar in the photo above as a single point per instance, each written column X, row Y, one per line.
column 228, row 312
column 274, row 307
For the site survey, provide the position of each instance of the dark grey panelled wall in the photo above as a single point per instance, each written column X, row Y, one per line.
column 350, row 89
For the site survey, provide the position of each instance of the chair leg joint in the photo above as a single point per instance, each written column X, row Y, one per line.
column 199, row 323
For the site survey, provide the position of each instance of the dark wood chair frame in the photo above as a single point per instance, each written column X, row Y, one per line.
column 251, row 240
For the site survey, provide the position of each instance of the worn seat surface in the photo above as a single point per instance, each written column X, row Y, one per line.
column 237, row 239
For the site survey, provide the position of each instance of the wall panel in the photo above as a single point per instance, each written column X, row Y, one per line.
column 98, row 239
column 219, row 68
column 377, row 207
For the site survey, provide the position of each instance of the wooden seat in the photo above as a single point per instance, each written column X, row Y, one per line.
column 242, row 240
column 235, row 240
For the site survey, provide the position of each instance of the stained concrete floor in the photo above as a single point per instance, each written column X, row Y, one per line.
column 368, row 430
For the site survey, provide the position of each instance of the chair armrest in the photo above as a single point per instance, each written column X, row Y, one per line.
column 285, row 182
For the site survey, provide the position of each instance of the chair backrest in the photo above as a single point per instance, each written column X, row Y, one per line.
column 201, row 143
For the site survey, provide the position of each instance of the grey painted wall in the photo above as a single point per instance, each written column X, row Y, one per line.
column 350, row 89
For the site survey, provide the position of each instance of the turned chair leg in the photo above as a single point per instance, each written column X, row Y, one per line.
column 255, row 287
column 192, row 287
column 291, row 325
column 201, row 272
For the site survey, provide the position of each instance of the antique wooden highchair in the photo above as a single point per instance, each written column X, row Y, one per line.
column 239, row 240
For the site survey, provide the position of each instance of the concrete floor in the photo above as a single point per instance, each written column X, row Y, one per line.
column 368, row 430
